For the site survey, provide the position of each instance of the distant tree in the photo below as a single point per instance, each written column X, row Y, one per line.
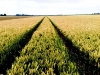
column 17, row 14
column 96, row 13
column 4, row 14
column 1, row 14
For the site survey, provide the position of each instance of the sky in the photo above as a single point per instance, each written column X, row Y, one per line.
column 49, row 7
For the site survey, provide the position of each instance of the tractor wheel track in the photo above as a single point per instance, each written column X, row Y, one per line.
column 17, row 49
column 84, row 65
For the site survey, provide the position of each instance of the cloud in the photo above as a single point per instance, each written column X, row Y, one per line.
column 56, row 1
column 7, row 6
column 49, row 6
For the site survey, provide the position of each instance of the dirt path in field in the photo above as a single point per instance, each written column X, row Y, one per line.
column 84, row 66
column 15, row 51
column 12, row 17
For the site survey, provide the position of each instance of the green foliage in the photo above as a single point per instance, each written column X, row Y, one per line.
column 11, row 40
column 83, row 31
column 45, row 54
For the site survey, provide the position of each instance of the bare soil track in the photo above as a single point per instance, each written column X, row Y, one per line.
column 15, row 50
column 12, row 17
column 84, row 65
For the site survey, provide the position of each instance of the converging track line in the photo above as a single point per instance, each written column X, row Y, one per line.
column 85, row 67
column 16, row 50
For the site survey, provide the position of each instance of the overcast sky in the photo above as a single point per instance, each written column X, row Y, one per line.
column 45, row 7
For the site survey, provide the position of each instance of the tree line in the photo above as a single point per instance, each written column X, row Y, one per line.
column 3, row 14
